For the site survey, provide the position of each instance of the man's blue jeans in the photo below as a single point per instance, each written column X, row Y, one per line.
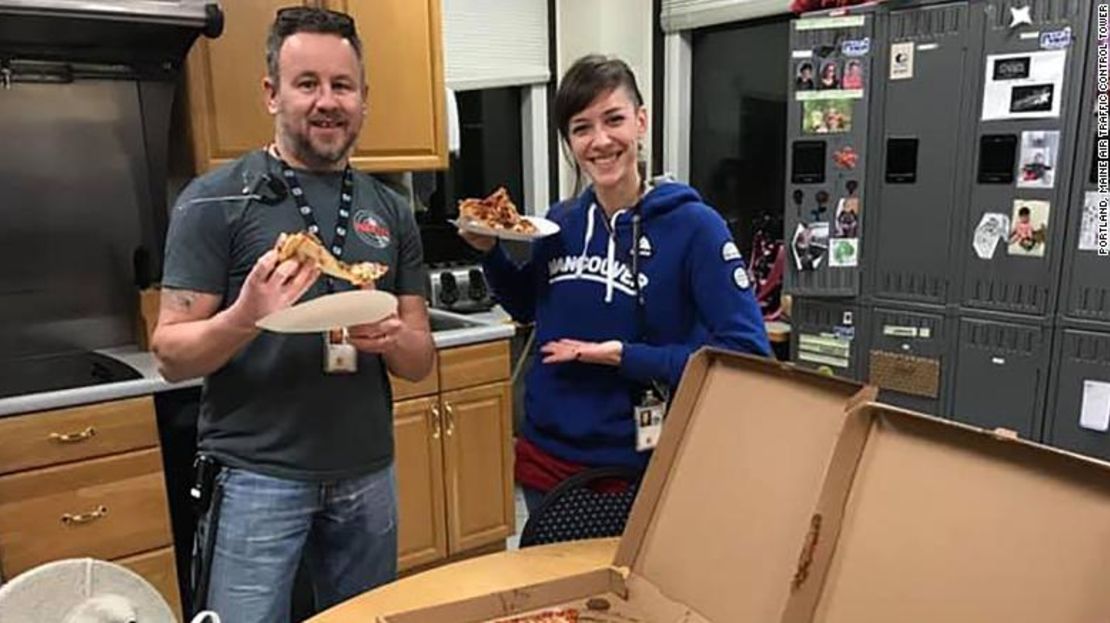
column 347, row 530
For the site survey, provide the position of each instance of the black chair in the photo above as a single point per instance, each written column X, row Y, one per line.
column 577, row 509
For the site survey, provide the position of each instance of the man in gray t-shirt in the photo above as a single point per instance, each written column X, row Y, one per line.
column 305, row 454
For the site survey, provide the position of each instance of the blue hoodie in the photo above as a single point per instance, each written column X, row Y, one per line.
column 578, row 285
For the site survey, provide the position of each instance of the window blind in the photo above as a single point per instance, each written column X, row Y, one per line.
column 679, row 15
column 495, row 43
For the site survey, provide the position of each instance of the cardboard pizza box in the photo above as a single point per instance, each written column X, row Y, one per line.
column 725, row 505
column 928, row 520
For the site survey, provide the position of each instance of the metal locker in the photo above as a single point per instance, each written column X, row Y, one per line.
column 1086, row 276
column 909, row 357
column 1027, row 103
column 829, row 336
column 830, row 77
column 1001, row 374
column 924, row 105
column 1078, row 413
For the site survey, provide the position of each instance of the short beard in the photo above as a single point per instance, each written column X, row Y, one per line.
column 304, row 150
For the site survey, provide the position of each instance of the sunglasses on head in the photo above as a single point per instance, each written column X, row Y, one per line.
column 298, row 15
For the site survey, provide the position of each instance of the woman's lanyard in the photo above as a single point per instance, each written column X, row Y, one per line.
column 641, row 308
column 641, row 320
column 346, row 198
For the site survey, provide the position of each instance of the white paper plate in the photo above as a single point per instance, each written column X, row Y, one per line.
column 543, row 226
column 332, row 311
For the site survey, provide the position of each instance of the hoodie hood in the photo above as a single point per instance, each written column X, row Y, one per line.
column 663, row 197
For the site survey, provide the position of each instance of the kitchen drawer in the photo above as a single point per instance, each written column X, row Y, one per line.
column 160, row 569
column 403, row 389
column 52, row 437
column 467, row 366
column 103, row 508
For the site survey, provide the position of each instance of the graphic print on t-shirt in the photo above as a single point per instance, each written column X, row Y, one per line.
column 371, row 230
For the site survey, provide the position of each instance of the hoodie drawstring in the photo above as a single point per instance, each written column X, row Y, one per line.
column 611, row 250
column 586, row 241
column 610, row 263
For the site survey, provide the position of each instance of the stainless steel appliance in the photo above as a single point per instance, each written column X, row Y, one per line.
column 86, row 92
column 459, row 288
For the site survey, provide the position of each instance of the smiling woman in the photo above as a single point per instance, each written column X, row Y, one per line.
column 600, row 113
column 639, row 275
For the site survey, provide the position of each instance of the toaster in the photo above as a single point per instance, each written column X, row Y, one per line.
column 461, row 289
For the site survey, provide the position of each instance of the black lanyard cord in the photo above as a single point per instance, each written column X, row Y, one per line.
column 641, row 308
column 346, row 199
column 641, row 320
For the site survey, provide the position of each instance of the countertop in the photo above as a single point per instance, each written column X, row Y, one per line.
column 481, row 327
column 141, row 360
column 478, row 328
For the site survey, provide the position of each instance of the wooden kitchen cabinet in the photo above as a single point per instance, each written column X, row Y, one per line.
column 454, row 458
column 405, row 128
column 86, row 481
column 477, row 437
column 418, row 451
column 402, row 48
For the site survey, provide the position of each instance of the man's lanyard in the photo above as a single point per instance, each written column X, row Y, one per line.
column 346, row 197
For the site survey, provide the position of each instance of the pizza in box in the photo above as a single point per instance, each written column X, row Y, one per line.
column 564, row 615
column 595, row 610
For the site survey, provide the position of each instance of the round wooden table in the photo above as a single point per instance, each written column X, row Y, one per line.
column 475, row 577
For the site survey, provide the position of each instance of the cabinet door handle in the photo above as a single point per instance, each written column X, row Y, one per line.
column 450, row 418
column 79, row 436
column 71, row 519
column 436, row 419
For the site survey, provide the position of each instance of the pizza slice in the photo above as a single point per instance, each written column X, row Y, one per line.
column 496, row 211
column 304, row 246
column 565, row 615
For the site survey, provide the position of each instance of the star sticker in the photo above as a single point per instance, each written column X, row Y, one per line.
column 1019, row 16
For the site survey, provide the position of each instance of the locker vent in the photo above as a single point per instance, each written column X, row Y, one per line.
column 930, row 22
column 1093, row 303
column 815, row 38
column 917, row 286
column 825, row 281
column 1087, row 348
column 1017, row 297
column 819, row 315
column 1000, row 338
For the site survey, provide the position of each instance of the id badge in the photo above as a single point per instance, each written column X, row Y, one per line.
column 340, row 356
column 649, row 422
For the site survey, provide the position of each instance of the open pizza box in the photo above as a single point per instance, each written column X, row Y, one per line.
column 722, row 513
column 926, row 520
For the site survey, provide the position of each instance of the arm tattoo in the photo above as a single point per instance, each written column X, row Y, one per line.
column 182, row 300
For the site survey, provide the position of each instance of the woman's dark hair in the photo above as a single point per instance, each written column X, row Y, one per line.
column 591, row 76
